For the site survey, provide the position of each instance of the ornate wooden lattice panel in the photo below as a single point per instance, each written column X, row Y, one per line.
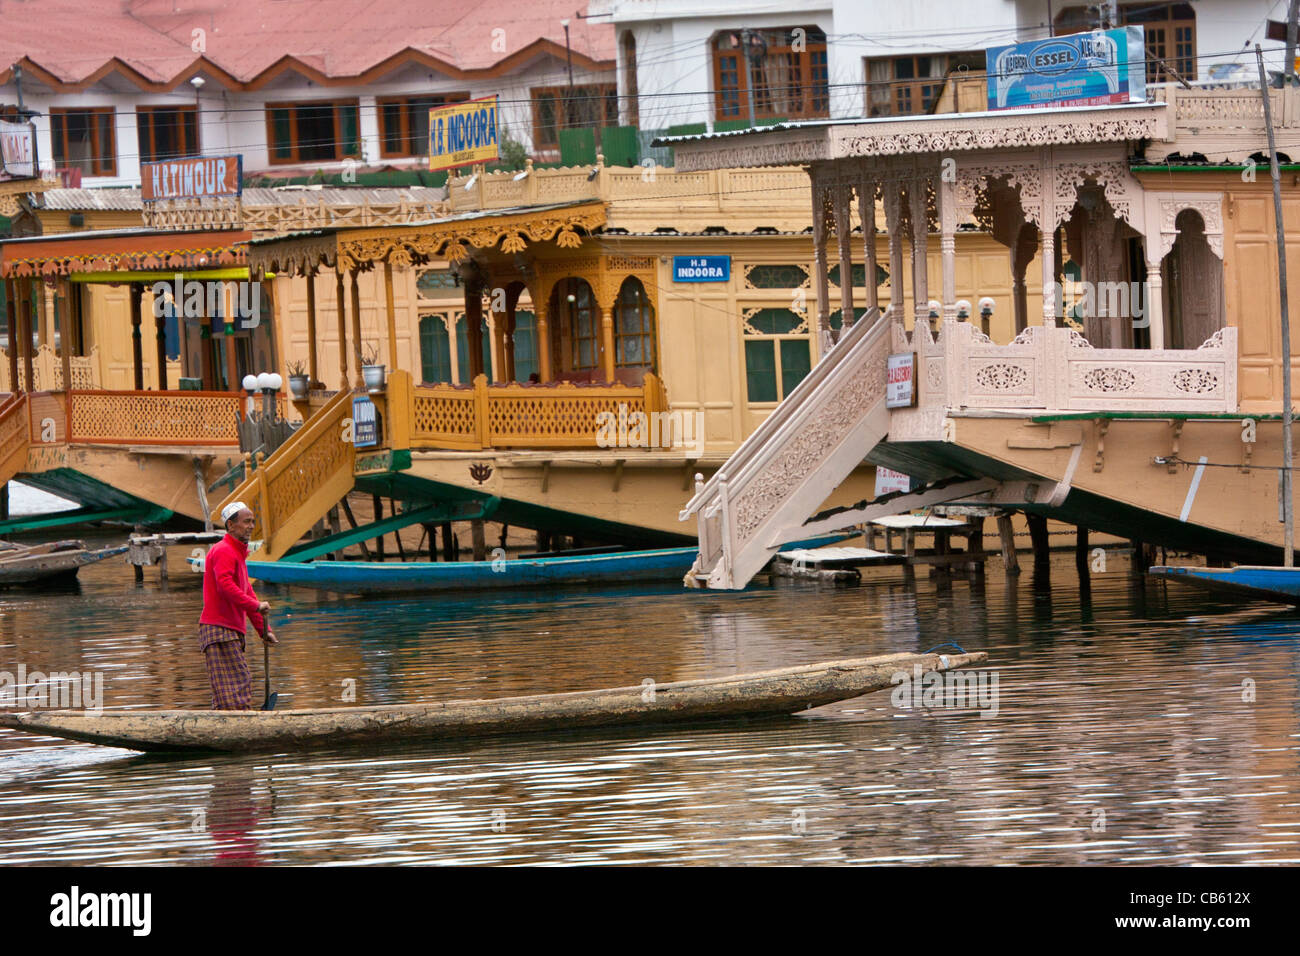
column 13, row 435
column 446, row 416
column 565, row 417
column 153, row 418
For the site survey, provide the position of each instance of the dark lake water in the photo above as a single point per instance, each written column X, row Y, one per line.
column 1125, row 730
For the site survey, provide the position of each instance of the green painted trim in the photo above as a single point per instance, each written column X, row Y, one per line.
column 147, row 515
column 1282, row 167
column 425, row 515
column 401, row 459
column 1155, row 416
column 231, row 274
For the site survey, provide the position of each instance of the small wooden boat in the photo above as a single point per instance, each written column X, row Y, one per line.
column 23, row 564
column 757, row 694
column 1259, row 582
column 397, row 577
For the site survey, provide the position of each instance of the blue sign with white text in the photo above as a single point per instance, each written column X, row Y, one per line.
column 365, row 422
column 1082, row 69
column 701, row 268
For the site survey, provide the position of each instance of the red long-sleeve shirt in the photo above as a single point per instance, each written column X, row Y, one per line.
column 227, row 595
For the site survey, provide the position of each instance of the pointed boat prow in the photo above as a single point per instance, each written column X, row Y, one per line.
column 786, row 690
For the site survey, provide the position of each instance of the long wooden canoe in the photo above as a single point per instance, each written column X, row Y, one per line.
column 1254, row 582
column 46, row 562
column 760, row 693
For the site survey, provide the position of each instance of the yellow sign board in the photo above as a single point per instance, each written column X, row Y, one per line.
column 463, row 134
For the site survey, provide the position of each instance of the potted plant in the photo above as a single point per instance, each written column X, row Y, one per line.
column 299, row 381
column 372, row 373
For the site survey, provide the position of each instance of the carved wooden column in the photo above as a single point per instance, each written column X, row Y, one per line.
column 891, row 194
column 867, row 213
column 67, row 335
column 11, row 312
column 474, row 328
column 312, row 371
column 819, row 199
column 607, row 342
column 1047, row 223
column 137, row 354
column 340, row 300
column 47, row 314
column 392, row 314
column 1155, row 295
column 920, row 221
column 25, row 335
column 160, row 344
column 946, row 197
column 841, row 193
column 356, row 328
column 232, row 353
column 543, row 341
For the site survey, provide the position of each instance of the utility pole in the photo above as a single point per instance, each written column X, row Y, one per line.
column 1288, row 516
column 1288, row 68
column 568, row 55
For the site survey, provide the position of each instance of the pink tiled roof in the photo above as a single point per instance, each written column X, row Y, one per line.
column 68, row 43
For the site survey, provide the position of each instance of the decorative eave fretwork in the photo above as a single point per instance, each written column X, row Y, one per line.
column 11, row 189
column 453, row 239
column 294, row 255
column 62, row 256
column 943, row 134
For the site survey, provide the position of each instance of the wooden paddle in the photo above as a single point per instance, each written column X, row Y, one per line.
column 269, row 704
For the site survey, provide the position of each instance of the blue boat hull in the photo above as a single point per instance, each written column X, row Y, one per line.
column 396, row 577
column 1264, row 583
column 374, row 577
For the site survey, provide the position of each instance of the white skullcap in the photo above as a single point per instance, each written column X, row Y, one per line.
column 232, row 509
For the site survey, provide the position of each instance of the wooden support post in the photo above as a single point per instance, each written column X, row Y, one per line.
column 347, row 513
column 160, row 345
column 478, row 539
column 392, row 316
column 544, row 372
column 449, row 551
column 607, row 343
column 1081, row 552
column 356, row 329
column 137, row 355
column 1042, row 546
column 397, row 532
column 336, row 528
column 13, row 326
column 228, row 339
column 66, row 337
column 378, row 504
column 343, row 330
column 543, row 540
column 25, row 338
column 312, row 370
column 1010, row 562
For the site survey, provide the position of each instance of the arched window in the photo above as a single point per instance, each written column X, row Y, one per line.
column 575, row 326
column 1192, row 280
column 634, row 327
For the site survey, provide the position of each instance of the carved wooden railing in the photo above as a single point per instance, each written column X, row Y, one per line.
column 14, row 435
column 799, row 454
column 1057, row 369
column 523, row 416
column 292, row 489
column 47, row 371
column 102, row 417
column 1225, row 122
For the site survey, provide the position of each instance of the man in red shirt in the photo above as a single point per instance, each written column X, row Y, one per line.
column 227, row 599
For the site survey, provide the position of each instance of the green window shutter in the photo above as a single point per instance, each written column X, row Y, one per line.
column 348, row 130
column 281, row 136
column 760, row 370
column 435, row 350
column 796, row 362
column 620, row 145
column 578, row 147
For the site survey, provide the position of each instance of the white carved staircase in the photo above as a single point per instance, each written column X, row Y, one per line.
column 781, row 473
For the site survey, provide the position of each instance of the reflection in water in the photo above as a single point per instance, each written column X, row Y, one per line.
column 1136, row 723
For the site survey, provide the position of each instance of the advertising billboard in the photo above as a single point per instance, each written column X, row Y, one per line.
column 1083, row 69
column 198, row 177
column 463, row 134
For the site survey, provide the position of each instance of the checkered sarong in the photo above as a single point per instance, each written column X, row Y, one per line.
column 223, row 650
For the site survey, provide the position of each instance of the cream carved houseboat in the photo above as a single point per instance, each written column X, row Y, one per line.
column 1159, row 424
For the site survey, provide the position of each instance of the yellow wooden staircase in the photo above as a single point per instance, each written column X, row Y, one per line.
column 305, row 477
column 14, row 435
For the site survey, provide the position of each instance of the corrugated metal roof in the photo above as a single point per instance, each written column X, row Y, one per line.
column 85, row 200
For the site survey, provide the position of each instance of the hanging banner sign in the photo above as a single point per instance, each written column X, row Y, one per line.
column 463, row 134
column 365, row 422
column 17, row 151
column 701, row 268
column 889, row 481
column 900, row 380
column 199, row 177
column 1083, row 69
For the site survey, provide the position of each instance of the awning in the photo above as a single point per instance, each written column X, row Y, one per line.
column 124, row 255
